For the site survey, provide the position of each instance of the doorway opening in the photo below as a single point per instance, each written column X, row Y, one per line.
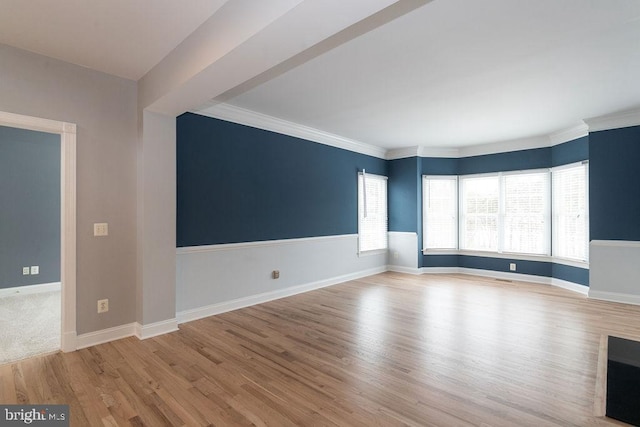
column 67, row 223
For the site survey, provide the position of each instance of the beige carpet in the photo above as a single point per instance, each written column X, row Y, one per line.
column 29, row 325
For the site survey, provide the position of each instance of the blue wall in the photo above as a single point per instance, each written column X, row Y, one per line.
column 240, row 184
column 614, row 184
column 570, row 152
column 501, row 162
column 30, row 212
column 404, row 186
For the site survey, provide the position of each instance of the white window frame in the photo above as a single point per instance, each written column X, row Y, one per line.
column 500, row 247
column 425, row 218
column 547, row 211
column 462, row 216
column 554, row 236
column 363, row 178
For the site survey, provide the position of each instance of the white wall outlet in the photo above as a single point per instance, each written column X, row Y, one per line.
column 103, row 305
column 101, row 229
column 35, row 269
column 26, row 271
column 512, row 266
column 395, row 254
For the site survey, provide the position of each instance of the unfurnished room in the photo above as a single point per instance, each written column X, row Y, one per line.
column 319, row 213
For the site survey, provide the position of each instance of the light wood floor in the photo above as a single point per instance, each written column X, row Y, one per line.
column 390, row 349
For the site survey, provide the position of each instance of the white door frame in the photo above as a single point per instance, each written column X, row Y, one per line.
column 67, row 132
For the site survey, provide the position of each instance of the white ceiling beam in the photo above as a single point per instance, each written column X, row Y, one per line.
column 245, row 39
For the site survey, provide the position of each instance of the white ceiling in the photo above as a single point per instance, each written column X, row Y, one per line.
column 451, row 73
column 461, row 72
column 125, row 38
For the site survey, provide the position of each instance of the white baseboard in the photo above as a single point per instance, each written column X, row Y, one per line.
column 615, row 297
column 73, row 342
column 223, row 307
column 402, row 269
column 440, row 270
column 570, row 286
column 575, row 287
column 503, row 275
column 105, row 335
column 171, row 325
column 154, row 329
column 30, row 289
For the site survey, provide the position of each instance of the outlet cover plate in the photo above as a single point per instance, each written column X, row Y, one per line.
column 100, row 229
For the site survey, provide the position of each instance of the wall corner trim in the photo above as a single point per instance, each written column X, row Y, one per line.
column 69, row 342
column 154, row 329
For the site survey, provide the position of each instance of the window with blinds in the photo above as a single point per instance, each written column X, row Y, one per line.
column 372, row 212
column 570, row 211
column 440, row 212
column 479, row 213
column 526, row 222
column 506, row 212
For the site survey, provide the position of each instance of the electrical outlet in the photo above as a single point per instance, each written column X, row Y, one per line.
column 103, row 305
column 395, row 254
column 101, row 229
column 35, row 269
column 512, row 266
column 26, row 271
column 275, row 274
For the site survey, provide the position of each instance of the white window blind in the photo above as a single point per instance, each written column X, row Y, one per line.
column 570, row 212
column 372, row 212
column 440, row 212
column 526, row 222
column 479, row 211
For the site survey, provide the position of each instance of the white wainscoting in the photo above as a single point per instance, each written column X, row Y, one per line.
column 614, row 272
column 403, row 252
column 217, row 278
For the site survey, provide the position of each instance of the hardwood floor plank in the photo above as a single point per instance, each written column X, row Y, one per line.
column 386, row 350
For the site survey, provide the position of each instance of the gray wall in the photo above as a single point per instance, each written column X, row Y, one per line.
column 30, row 206
column 104, row 108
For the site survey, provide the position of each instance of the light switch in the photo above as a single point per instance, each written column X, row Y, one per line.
column 101, row 229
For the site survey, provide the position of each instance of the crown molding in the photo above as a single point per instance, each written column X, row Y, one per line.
column 504, row 146
column 402, row 153
column 578, row 131
column 246, row 117
column 438, row 152
column 617, row 120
